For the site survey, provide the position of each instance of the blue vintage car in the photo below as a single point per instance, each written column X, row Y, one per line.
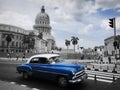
column 50, row 66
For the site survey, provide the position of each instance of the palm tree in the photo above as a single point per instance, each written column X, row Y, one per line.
column 74, row 41
column 67, row 43
column 82, row 49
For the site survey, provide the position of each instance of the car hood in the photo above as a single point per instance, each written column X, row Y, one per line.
column 69, row 66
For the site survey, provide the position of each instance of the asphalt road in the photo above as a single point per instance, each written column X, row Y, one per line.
column 8, row 73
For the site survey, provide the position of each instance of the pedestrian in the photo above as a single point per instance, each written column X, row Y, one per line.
column 109, row 59
column 23, row 56
column 8, row 55
column 17, row 56
column 101, row 59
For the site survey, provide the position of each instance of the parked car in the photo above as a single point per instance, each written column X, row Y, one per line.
column 50, row 66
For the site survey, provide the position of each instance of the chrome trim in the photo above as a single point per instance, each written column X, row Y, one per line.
column 79, row 74
column 51, row 72
column 75, row 81
column 78, row 79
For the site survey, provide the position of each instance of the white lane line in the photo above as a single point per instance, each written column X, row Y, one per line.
column 108, row 81
column 102, row 77
column 12, row 82
column 90, row 78
column 35, row 89
column 23, row 85
column 111, row 78
column 102, row 80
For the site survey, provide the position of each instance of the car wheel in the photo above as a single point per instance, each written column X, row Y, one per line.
column 62, row 81
column 25, row 75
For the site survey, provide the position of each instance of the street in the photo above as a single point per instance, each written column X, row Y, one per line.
column 8, row 73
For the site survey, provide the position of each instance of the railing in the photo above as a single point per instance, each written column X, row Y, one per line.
column 104, row 67
column 96, row 75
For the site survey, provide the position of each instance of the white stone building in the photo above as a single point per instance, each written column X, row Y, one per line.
column 109, row 46
column 42, row 45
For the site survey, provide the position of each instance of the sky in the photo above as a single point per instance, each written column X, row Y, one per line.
column 86, row 19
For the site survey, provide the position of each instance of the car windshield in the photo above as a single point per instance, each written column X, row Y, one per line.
column 53, row 60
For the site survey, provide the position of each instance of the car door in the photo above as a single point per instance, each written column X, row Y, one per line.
column 39, row 65
column 34, row 63
column 44, row 68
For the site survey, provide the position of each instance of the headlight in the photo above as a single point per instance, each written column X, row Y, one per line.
column 73, row 72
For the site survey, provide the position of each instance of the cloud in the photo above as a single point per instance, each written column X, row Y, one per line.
column 107, row 4
column 105, row 24
column 14, row 18
column 118, row 23
column 71, row 17
column 118, row 10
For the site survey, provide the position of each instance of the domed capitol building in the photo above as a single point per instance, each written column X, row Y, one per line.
column 39, row 40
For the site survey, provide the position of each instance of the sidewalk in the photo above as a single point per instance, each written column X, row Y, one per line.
column 13, row 86
column 13, row 59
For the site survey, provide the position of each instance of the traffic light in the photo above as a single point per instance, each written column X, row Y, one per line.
column 111, row 22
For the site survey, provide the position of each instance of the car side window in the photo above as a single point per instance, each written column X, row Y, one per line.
column 34, row 60
column 43, row 61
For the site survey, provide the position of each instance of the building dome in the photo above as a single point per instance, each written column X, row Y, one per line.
column 42, row 17
column 42, row 25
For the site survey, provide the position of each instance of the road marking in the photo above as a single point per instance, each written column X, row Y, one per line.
column 23, row 85
column 102, row 76
column 102, row 80
column 90, row 78
column 108, row 81
column 35, row 89
column 12, row 82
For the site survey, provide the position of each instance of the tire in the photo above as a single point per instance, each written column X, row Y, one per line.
column 25, row 75
column 62, row 81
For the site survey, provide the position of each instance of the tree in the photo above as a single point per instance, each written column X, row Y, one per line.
column 40, row 36
column 9, row 39
column 82, row 49
column 25, row 41
column 31, row 43
column 74, row 41
column 31, row 40
column 67, row 43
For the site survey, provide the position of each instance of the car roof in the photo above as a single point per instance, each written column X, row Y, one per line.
column 43, row 55
column 46, row 55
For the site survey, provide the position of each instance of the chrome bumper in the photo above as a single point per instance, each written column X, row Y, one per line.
column 78, row 79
